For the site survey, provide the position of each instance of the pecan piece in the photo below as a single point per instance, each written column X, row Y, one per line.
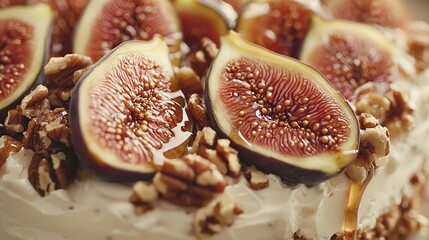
column 35, row 102
column 189, row 82
column 7, row 145
column 189, row 181
column 198, row 111
column 211, row 219
column 143, row 197
column 47, row 173
column 14, row 121
column 49, row 132
column 218, row 151
column 62, row 75
column 257, row 179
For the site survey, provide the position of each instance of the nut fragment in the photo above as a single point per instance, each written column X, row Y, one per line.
column 198, row 111
column 419, row 43
column 200, row 59
column 189, row 181
column 7, row 145
column 35, row 102
column 257, row 179
column 189, row 82
column 374, row 138
column 14, row 121
column 400, row 117
column 144, row 197
column 374, row 104
column 218, row 151
column 211, row 219
column 62, row 74
column 49, row 132
column 47, row 173
column 374, row 144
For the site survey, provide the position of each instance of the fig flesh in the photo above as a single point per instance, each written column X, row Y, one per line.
column 281, row 115
column 25, row 32
column 127, row 115
column 278, row 25
column 350, row 54
column 386, row 13
column 107, row 23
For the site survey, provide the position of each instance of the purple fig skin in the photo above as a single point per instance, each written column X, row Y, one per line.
column 103, row 170
column 40, row 79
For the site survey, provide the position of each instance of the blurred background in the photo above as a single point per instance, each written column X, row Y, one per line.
column 420, row 8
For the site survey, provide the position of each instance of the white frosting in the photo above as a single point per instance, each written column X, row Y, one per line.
column 94, row 209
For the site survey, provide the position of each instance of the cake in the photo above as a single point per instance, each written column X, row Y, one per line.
column 50, row 190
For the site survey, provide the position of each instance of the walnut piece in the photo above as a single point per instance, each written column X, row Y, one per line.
column 189, row 181
column 257, row 179
column 48, row 133
column 189, row 82
column 374, row 104
column 400, row 117
column 198, row 111
column 143, row 197
column 48, row 172
column 7, row 145
column 211, row 219
column 218, row 151
column 201, row 56
column 419, row 43
column 62, row 75
column 35, row 102
column 14, row 121
column 374, row 144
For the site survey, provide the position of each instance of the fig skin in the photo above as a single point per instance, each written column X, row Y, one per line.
column 290, row 167
column 106, row 163
column 39, row 17
column 385, row 13
column 280, row 27
column 201, row 19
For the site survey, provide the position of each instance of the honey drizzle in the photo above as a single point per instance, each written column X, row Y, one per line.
column 351, row 211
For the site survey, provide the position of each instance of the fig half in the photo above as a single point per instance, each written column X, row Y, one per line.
column 279, row 25
column 106, row 23
column 127, row 114
column 282, row 115
column 351, row 54
column 25, row 32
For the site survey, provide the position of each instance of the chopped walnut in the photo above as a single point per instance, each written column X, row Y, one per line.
column 189, row 82
column 49, row 172
column 14, row 121
column 211, row 219
column 201, row 56
column 374, row 138
column 400, row 115
column 189, row 181
column 374, row 144
column 35, row 102
column 419, row 43
column 62, row 74
column 374, row 104
column 218, row 151
column 257, row 179
column 7, row 145
column 49, row 132
column 144, row 197
column 198, row 111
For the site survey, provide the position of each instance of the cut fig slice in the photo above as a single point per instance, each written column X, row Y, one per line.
column 107, row 23
column 127, row 115
column 25, row 32
column 201, row 19
column 279, row 25
column 281, row 115
column 386, row 13
column 351, row 54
